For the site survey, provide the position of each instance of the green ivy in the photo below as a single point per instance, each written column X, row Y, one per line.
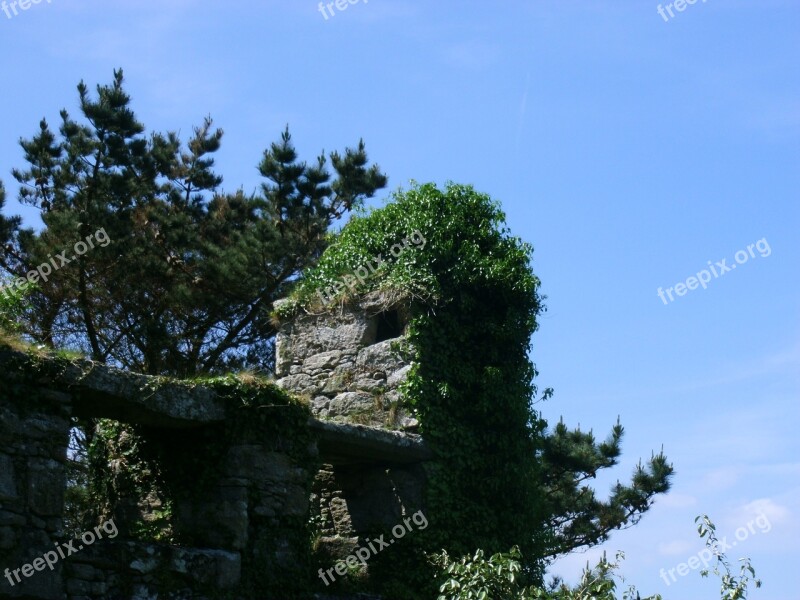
column 474, row 302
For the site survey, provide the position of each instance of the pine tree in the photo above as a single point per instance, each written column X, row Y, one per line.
column 187, row 283
column 575, row 517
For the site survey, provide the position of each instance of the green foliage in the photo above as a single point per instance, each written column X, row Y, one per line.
column 126, row 484
column 7, row 225
column 13, row 305
column 500, row 478
column 471, row 380
column 731, row 586
column 476, row 578
column 576, row 517
column 187, row 283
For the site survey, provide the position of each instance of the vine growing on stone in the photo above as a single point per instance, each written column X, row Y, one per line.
column 474, row 302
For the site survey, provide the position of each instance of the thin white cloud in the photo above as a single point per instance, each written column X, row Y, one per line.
column 677, row 548
column 722, row 478
column 786, row 361
column 776, row 513
column 523, row 107
column 675, row 500
column 471, row 55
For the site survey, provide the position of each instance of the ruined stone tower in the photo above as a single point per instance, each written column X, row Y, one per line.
column 345, row 361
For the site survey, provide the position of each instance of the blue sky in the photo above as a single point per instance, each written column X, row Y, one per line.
column 628, row 149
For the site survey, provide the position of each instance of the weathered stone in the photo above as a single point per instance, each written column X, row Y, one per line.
column 217, row 520
column 8, row 538
column 323, row 360
column 247, row 506
column 256, row 463
column 320, row 404
column 379, row 356
column 398, row 377
column 99, row 589
column 78, row 587
column 144, row 399
column 12, row 519
column 336, row 548
column 146, row 565
column 299, row 384
column 41, row 427
column 220, row 570
column 84, row 571
column 338, row 381
column 340, row 515
column 408, row 423
column 8, row 487
column 143, row 592
column 345, row 335
column 345, row 443
column 45, row 495
column 368, row 385
column 348, row 403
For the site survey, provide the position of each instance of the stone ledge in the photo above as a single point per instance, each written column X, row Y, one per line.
column 124, row 396
column 341, row 443
column 101, row 391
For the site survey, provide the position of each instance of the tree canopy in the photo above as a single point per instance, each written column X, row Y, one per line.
column 188, row 281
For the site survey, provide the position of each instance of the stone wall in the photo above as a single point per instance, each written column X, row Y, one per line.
column 244, row 488
column 341, row 362
column 345, row 361
column 34, row 431
column 241, row 497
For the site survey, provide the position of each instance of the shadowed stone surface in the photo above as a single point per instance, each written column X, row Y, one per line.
column 254, row 506
column 347, row 362
column 353, row 444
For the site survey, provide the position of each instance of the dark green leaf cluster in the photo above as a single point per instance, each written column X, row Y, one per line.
column 12, row 302
column 577, row 517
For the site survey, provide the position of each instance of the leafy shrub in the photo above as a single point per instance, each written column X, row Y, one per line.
column 13, row 306
column 476, row 578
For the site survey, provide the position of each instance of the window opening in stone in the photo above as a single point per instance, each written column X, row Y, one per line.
column 389, row 326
